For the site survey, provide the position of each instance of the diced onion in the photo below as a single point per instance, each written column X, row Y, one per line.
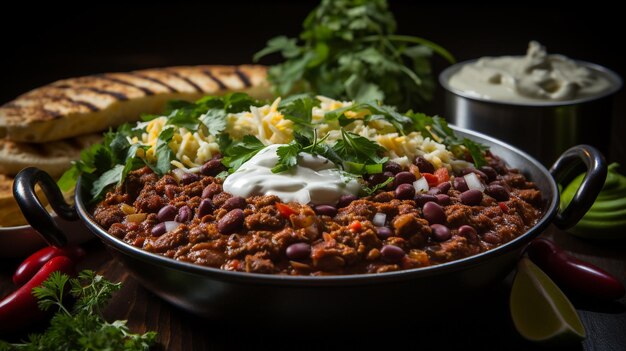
column 421, row 185
column 379, row 219
column 473, row 182
column 171, row 225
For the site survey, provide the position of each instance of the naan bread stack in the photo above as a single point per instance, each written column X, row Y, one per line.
column 48, row 127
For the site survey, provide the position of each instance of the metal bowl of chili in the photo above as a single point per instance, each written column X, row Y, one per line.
column 218, row 293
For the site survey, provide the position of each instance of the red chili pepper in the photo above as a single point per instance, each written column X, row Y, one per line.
column 573, row 274
column 431, row 179
column 20, row 309
column 503, row 207
column 34, row 262
column 355, row 226
column 285, row 210
column 442, row 175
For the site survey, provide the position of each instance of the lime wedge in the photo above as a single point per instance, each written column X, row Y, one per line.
column 540, row 310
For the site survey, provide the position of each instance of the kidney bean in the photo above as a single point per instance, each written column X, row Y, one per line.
column 405, row 191
column 19, row 309
column 443, row 199
column 434, row 213
column 206, row 207
column 375, row 179
column 212, row 168
column 392, row 167
column 29, row 267
column 210, row 190
column 471, row 197
column 440, row 232
column 235, row 202
column 167, row 213
column 326, row 210
column 189, row 178
column 489, row 172
column 298, row 251
column 184, row 214
column 444, row 187
column 460, row 184
column 345, row 200
column 424, row 165
column 498, row 192
column 404, row 177
column 467, row 230
column 392, row 253
column 572, row 274
column 158, row 229
column 231, row 222
column 422, row 199
column 384, row 232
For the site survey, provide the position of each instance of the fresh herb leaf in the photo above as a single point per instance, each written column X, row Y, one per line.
column 82, row 326
column 215, row 120
column 287, row 156
column 367, row 191
column 110, row 177
column 237, row 153
column 355, row 148
column 184, row 118
column 163, row 152
column 349, row 50
column 437, row 129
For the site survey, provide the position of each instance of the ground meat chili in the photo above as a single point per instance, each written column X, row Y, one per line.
column 261, row 234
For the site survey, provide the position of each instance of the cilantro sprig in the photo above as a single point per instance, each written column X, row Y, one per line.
column 348, row 49
column 109, row 162
column 81, row 326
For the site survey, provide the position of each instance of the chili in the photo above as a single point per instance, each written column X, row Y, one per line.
column 572, row 274
column 20, row 308
column 34, row 262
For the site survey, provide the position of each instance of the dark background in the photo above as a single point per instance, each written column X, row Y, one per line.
column 43, row 44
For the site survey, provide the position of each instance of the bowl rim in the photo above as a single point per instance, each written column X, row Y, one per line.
column 551, row 208
column 616, row 80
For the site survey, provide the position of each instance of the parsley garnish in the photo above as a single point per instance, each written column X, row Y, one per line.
column 237, row 153
column 109, row 162
column 349, row 50
column 81, row 327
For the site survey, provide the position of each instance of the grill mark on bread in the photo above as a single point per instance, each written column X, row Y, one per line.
column 219, row 83
column 128, row 84
column 90, row 106
column 154, row 80
column 187, row 80
column 244, row 78
column 114, row 94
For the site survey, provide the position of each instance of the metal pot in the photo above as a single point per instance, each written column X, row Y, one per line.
column 220, row 294
column 544, row 129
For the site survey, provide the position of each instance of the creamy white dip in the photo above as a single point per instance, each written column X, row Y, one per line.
column 315, row 179
column 531, row 78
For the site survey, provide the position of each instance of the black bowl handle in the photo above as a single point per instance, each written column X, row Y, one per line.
column 563, row 172
column 33, row 210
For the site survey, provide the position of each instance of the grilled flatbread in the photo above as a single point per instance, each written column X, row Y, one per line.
column 53, row 157
column 85, row 105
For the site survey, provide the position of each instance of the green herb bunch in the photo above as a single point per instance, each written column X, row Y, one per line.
column 82, row 326
column 349, row 50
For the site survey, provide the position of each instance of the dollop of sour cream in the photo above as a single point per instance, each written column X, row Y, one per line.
column 531, row 78
column 315, row 179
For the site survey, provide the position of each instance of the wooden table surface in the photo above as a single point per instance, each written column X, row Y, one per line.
column 484, row 324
